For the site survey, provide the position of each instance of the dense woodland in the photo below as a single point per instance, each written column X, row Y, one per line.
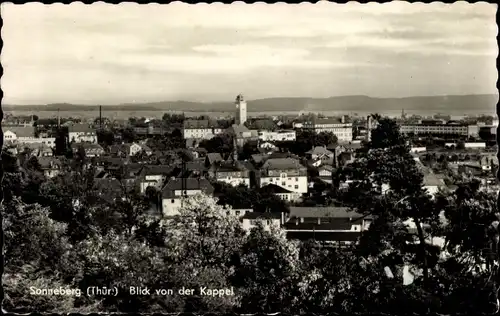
column 69, row 231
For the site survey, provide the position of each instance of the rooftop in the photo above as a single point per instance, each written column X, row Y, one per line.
column 173, row 185
column 323, row 212
column 282, row 164
column 21, row 131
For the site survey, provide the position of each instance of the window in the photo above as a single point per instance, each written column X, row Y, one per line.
column 296, row 186
column 283, row 183
column 296, row 179
column 173, row 201
column 237, row 213
column 268, row 222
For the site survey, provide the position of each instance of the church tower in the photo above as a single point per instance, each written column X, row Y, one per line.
column 241, row 110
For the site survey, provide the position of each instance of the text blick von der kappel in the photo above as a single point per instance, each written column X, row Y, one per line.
column 202, row 291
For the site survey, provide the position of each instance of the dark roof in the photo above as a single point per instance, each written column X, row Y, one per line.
column 214, row 157
column 229, row 166
column 326, row 167
column 80, row 128
column 173, row 185
column 150, row 170
column 318, row 150
column 273, row 188
column 21, row 131
column 282, row 163
column 200, row 124
column 323, row 212
column 46, row 162
column 86, row 146
column 324, row 236
column 262, row 215
column 258, row 157
column 238, row 130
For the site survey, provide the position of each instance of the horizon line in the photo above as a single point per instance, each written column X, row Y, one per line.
column 250, row 100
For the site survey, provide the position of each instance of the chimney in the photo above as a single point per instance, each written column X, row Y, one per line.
column 342, row 119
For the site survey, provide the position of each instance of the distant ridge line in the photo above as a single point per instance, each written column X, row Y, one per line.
column 353, row 103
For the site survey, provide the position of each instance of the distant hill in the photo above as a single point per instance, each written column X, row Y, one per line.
column 434, row 104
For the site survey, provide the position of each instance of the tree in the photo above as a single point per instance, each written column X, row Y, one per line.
column 325, row 139
column 267, row 271
column 386, row 160
column 219, row 144
column 205, row 244
column 31, row 236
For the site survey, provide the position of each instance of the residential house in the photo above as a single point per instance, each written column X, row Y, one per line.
column 345, row 158
column 213, row 158
column 282, row 193
column 176, row 190
column 201, row 129
column 124, row 150
column 268, row 220
column 233, row 173
column 155, row 176
column 80, row 133
column 37, row 150
column 51, row 166
column 337, row 225
column 18, row 134
column 91, row 149
column 285, row 172
column 325, row 173
column 322, row 154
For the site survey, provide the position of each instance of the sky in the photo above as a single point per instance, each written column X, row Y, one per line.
column 111, row 54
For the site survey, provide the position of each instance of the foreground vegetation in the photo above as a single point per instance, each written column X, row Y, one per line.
column 70, row 232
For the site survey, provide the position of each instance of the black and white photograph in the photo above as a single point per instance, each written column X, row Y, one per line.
column 250, row 158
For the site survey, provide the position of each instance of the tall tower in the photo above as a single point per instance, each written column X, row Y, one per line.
column 241, row 110
column 369, row 123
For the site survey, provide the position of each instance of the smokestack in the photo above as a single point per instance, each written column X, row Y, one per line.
column 342, row 119
column 100, row 117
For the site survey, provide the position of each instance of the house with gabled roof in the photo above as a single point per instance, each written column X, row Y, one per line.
column 251, row 219
column 154, row 175
column 79, row 133
column 233, row 173
column 287, row 173
column 178, row 189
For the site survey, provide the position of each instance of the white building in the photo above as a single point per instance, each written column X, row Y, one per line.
column 241, row 110
column 338, row 127
column 201, row 129
column 154, row 175
column 287, row 173
column 250, row 220
column 474, row 145
column 234, row 174
column 177, row 189
column 19, row 134
column 283, row 135
column 81, row 133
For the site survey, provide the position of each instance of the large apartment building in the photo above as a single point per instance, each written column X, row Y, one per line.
column 201, row 129
column 338, row 126
column 439, row 127
column 287, row 173
column 282, row 135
